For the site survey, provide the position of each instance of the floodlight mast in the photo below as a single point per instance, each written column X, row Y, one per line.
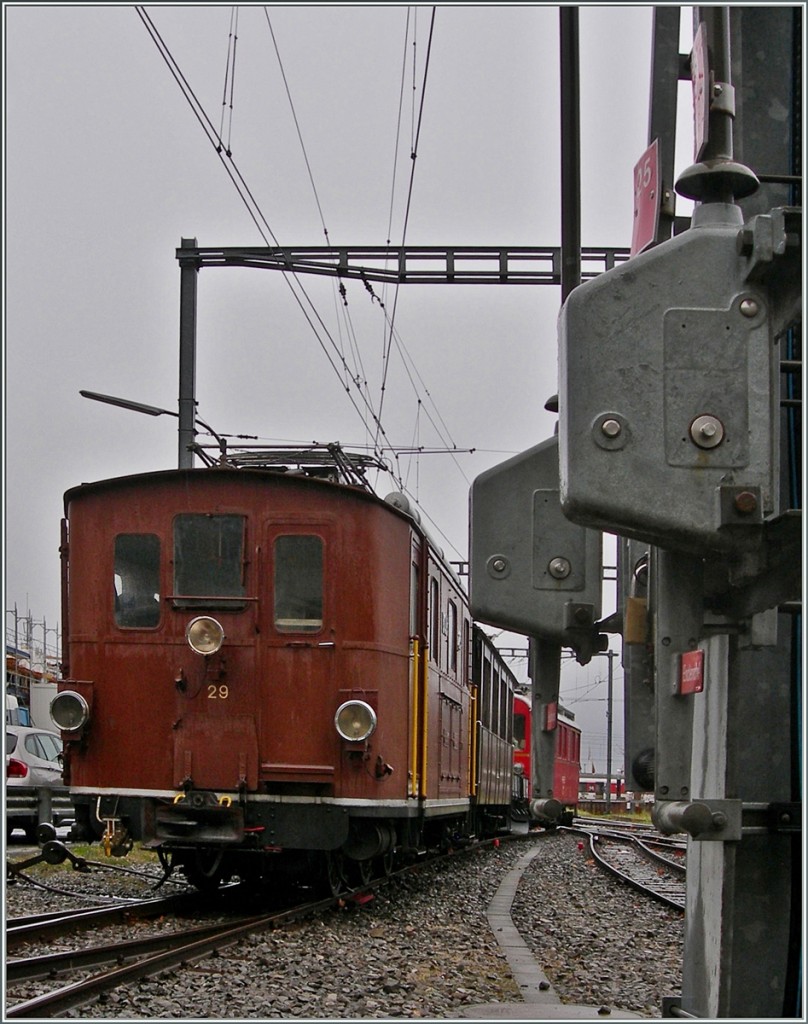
column 153, row 410
column 189, row 268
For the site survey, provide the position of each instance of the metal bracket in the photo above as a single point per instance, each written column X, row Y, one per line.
column 774, row 817
column 672, row 1007
column 726, row 820
column 703, row 820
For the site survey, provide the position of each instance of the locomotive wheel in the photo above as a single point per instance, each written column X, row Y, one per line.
column 361, row 871
column 335, row 879
column 206, row 871
column 386, row 863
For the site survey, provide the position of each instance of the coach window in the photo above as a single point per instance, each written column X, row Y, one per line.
column 137, row 580
column 496, row 690
column 486, row 716
column 209, row 561
column 298, row 583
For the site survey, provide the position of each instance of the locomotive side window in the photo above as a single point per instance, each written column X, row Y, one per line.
column 434, row 620
column 466, row 654
column 209, row 561
column 453, row 637
column 414, row 592
column 137, row 580
column 298, row 583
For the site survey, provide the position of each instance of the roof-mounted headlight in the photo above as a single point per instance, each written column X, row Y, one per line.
column 355, row 720
column 204, row 634
column 70, row 710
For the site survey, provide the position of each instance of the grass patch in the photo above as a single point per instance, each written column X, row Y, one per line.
column 89, row 852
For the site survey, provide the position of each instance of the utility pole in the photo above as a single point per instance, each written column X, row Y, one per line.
column 611, row 655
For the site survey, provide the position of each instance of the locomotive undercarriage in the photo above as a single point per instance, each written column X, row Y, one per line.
column 213, row 839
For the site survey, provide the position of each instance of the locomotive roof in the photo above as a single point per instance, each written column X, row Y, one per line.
column 309, row 477
column 222, row 473
column 319, row 465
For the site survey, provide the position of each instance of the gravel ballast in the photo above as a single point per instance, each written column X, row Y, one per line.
column 421, row 948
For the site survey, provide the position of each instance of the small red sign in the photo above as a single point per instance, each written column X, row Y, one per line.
column 691, row 673
column 550, row 717
column 646, row 199
column 700, row 76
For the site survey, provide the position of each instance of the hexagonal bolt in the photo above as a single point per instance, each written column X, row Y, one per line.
column 559, row 568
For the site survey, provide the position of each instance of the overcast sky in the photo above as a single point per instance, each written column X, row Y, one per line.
column 107, row 168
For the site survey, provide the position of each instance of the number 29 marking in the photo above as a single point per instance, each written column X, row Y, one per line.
column 218, row 692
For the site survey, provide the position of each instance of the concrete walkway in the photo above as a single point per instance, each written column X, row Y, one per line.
column 541, row 1001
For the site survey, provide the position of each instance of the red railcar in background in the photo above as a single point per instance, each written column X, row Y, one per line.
column 566, row 768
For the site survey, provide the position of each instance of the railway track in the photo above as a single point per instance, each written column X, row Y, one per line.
column 642, row 859
column 86, row 974
column 131, row 959
column 41, row 927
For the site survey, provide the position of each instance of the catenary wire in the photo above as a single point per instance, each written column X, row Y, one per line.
column 358, row 377
column 414, row 157
column 257, row 216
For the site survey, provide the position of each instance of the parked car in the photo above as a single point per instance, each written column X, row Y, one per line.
column 33, row 761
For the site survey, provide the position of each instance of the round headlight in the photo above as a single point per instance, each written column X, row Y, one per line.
column 355, row 720
column 69, row 710
column 204, row 634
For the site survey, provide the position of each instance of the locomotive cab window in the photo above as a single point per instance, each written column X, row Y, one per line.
column 137, row 580
column 519, row 731
column 209, row 561
column 298, row 582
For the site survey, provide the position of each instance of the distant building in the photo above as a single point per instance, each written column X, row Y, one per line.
column 28, row 691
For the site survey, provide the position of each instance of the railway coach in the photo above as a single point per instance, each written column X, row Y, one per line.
column 268, row 672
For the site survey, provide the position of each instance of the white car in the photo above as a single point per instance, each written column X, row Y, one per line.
column 33, row 760
column 33, row 756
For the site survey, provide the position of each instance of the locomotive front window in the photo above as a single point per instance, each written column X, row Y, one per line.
column 137, row 580
column 209, row 561
column 298, row 583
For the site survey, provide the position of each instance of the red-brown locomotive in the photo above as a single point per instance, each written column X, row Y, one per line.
column 268, row 669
